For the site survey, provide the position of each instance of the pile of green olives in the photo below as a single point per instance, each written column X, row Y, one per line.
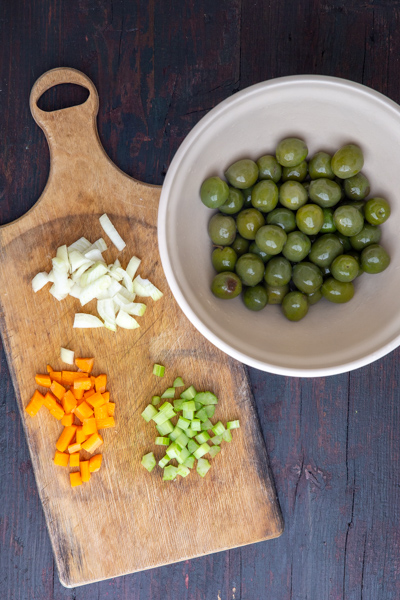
column 290, row 231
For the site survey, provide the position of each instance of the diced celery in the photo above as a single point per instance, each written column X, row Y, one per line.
column 227, row 436
column 183, row 471
column 165, row 407
column 206, row 398
column 233, row 424
column 160, row 418
column 203, row 466
column 189, row 405
column 197, row 405
column 210, row 410
column 216, row 440
column 183, row 423
column 162, row 441
column 188, row 414
column 190, row 432
column 189, row 462
column 196, row 425
column 169, row 393
column 178, row 382
column 183, row 455
column 149, row 412
column 175, row 433
column 158, row 370
column 202, row 437
column 189, row 394
column 163, row 462
column 149, row 462
column 170, row 473
column 173, row 450
column 192, row 446
column 165, row 428
column 206, row 425
column 182, row 440
column 218, row 429
column 201, row 450
column 202, row 415
column 155, row 400
column 213, row 451
column 178, row 404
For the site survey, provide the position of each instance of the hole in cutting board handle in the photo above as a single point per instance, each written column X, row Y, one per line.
column 63, row 95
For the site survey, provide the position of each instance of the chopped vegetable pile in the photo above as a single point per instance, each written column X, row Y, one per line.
column 80, row 401
column 186, row 436
column 80, row 271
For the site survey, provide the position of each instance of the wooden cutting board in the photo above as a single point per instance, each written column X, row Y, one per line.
column 124, row 519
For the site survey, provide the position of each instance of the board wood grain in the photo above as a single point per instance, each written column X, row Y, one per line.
column 124, row 519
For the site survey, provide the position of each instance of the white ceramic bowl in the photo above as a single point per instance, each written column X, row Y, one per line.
column 327, row 113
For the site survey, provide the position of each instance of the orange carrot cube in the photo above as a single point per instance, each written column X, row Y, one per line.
column 85, row 364
column 61, row 459
column 96, row 400
column 89, row 426
column 35, row 403
column 55, row 376
column 78, row 393
column 101, row 412
column 49, row 369
column 106, row 396
column 75, row 479
column 83, row 383
column 58, row 390
column 88, row 394
column 67, row 420
column 73, row 459
column 57, row 411
column 68, row 377
column 101, row 383
column 83, row 411
column 110, row 408
column 49, row 401
column 92, row 443
column 73, row 448
column 65, row 438
column 95, row 462
column 69, row 402
column 105, row 423
column 80, row 436
column 43, row 380
column 85, row 471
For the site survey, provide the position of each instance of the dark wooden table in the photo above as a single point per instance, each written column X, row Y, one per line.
column 334, row 443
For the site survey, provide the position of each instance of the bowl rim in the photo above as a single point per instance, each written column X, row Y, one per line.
column 173, row 283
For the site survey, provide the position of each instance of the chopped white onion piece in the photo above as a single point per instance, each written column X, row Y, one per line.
column 51, row 276
column 39, row 281
column 76, row 291
column 95, row 255
column 134, row 308
column 115, row 272
column 117, row 263
column 67, row 356
column 133, row 266
column 97, row 270
column 77, row 260
column 112, row 232
column 98, row 245
column 62, row 254
column 144, row 288
column 57, row 295
column 111, row 291
column 82, row 245
column 78, row 274
column 120, row 274
column 128, row 295
column 125, row 321
column 83, row 321
column 91, row 291
column 59, row 265
column 106, row 310
column 120, row 300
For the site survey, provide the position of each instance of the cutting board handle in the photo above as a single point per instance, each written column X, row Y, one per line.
column 56, row 77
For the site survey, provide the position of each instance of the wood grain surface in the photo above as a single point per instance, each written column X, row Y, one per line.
column 124, row 520
column 334, row 443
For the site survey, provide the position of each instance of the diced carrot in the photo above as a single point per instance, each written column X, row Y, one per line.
column 85, row 364
column 75, row 479
column 57, row 412
column 95, row 462
column 110, row 408
column 89, row 393
column 92, row 381
column 89, row 426
column 101, row 412
column 105, row 423
column 67, row 420
column 92, row 443
column 106, row 396
column 65, row 438
column 49, row 369
column 83, row 411
column 35, row 403
column 49, row 401
column 96, row 400
column 43, row 380
column 73, row 448
column 82, row 384
column 101, row 383
column 69, row 402
column 58, row 390
column 85, row 471
column 68, row 377
column 78, row 393
column 61, row 459
column 55, row 376
column 73, row 459
column 80, row 436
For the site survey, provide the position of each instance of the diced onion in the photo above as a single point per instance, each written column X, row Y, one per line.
column 133, row 308
column 82, row 245
column 95, row 255
column 83, row 321
column 111, row 291
column 39, row 281
column 67, row 356
column 144, row 288
column 125, row 321
column 106, row 311
column 97, row 270
column 77, row 260
column 133, row 266
column 96, row 287
column 98, row 245
column 112, row 233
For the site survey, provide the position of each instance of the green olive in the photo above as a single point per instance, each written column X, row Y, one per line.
column 240, row 245
column 292, row 194
column 314, row 297
column 255, row 298
column 214, row 192
column 377, row 211
column 269, row 168
column 325, row 250
column 348, row 220
column 249, row 222
column 295, row 306
column 309, row 219
column 325, row 192
column 278, row 271
column 337, row 291
column 356, row 187
column 328, row 225
column 374, row 259
column 224, row 259
column 265, row 195
column 222, row 230
column 284, row 217
column 345, row 268
column 297, row 246
column 226, row 285
column 307, row 277
column 247, row 197
column 291, row 152
column 271, row 239
column 276, row 293
column 250, row 269
column 320, row 166
column 297, row 173
column 348, row 161
column 234, row 203
column 254, row 249
column 369, row 234
column 242, row 174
